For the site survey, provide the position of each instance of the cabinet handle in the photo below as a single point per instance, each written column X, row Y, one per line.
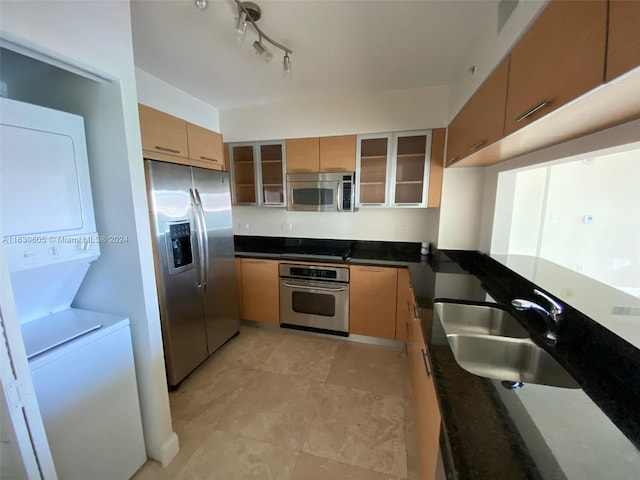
column 409, row 307
column 300, row 170
column 210, row 159
column 254, row 261
column 371, row 269
column 533, row 110
column 454, row 159
column 165, row 149
column 335, row 169
column 479, row 144
column 427, row 372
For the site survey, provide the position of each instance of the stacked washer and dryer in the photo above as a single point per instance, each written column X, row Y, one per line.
column 81, row 361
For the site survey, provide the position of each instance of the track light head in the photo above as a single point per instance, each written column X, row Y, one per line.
column 286, row 64
column 262, row 51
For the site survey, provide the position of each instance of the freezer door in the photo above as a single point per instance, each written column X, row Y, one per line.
column 176, row 252
column 221, row 295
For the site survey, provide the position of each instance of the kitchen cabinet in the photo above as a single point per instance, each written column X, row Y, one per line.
column 259, row 286
column 561, row 57
column 394, row 169
column 425, row 400
column 338, row 154
column 205, row 145
column 623, row 45
column 403, row 304
column 481, row 120
column 162, row 132
column 436, row 167
column 303, row 155
column 238, row 268
column 372, row 301
column 258, row 173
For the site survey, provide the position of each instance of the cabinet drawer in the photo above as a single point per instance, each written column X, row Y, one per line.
column 205, row 145
column 303, row 155
column 623, row 46
column 338, row 154
column 481, row 122
column 560, row 58
column 162, row 132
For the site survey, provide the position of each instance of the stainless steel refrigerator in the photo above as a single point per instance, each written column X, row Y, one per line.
column 190, row 211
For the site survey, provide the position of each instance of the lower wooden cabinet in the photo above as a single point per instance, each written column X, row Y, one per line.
column 403, row 305
column 372, row 301
column 239, row 284
column 259, row 286
column 425, row 400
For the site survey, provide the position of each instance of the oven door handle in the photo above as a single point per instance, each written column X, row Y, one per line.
column 322, row 289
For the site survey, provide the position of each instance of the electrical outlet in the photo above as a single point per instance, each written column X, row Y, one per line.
column 243, row 226
column 287, row 227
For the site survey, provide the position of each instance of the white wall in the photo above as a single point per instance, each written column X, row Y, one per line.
column 97, row 36
column 461, row 210
column 383, row 224
column 415, row 109
column 612, row 140
column 158, row 94
column 528, row 209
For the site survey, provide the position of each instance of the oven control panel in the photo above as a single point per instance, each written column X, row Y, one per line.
column 336, row 274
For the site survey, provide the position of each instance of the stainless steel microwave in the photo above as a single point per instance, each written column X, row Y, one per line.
column 321, row 192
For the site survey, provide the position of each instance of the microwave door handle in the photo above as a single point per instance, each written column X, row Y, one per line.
column 322, row 289
column 196, row 221
column 205, row 239
column 340, row 195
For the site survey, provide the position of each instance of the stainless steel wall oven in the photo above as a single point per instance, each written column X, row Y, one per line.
column 314, row 298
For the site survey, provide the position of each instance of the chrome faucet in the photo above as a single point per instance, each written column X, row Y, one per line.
column 552, row 316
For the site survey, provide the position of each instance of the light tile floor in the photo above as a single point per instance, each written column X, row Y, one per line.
column 286, row 405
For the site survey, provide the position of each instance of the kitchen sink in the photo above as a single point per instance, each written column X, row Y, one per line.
column 511, row 359
column 459, row 318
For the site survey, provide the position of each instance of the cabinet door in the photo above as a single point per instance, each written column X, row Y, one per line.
column 403, row 304
column 162, row 132
column 372, row 301
column 238, row 267
column 260, row 299
column 623, row 46
column 561, row 57
column 242, row 158
column 303, row 155
column 436, row 167
column 272, row 165
column 481, row 120
column 373, row 164
column 338, row 154
column 411, row 168
column 205, row 145
column 425, row 401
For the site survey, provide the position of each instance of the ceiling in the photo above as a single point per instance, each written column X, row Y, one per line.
column 339, row 47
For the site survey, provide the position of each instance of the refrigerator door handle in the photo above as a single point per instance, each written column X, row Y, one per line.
column 205, row 239
column 198, row 228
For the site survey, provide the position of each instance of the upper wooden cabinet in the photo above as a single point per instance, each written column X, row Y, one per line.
column 258, row 173
column 623, row 46
column 372, row 301
column 436, row 167
column 162, row 132
column 338, row 154
column 561, row 57
column 205, row 145
column 481, row 121
column 303, row 155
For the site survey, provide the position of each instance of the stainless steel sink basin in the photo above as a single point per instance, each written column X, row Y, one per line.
column 478, row 319
column 511, row 359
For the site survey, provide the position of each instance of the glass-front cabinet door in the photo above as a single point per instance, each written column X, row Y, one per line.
column 372, row 156
column 272, row 173
column 258, row 173
column 394, row 169
column 242, row 159
column 411, row 176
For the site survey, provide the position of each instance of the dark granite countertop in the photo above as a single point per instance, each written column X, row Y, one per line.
column 489, row 432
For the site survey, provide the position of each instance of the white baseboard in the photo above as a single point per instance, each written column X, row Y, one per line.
column 167, row 452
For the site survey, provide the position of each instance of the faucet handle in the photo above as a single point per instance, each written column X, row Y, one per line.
column 556, row 308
